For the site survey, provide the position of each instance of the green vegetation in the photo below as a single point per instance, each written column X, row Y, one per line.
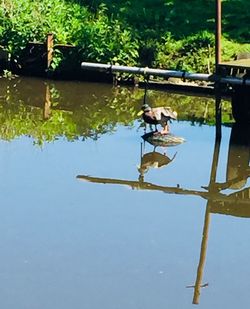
column 161, row 33
column 98, row 37
column 180, row 18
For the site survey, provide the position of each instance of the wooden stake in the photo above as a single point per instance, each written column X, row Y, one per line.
column 49, row 46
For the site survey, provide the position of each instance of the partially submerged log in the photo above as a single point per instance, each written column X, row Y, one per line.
column 163, row 140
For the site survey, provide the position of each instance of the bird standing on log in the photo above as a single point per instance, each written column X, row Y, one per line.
column 158, row 115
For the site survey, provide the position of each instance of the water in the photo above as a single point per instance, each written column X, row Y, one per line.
column 128, row 244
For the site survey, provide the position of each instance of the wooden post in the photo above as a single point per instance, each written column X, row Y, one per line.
column 218, row 61
column 49, row 49
column 218, row 34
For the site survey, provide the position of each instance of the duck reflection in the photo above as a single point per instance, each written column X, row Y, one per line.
column 153, row 159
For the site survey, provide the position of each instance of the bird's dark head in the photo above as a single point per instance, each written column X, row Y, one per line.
column 144, row 109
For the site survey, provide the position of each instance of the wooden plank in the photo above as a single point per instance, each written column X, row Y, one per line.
column 241, row 64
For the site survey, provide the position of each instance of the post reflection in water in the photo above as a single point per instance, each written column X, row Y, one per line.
column 211, row 189
column 238, row 157
column 47, row 104
column 238, row 171
column 235, row 204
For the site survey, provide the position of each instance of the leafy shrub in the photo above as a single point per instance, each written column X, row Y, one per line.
column 101, row 38
column 194, row 53
column 105, row 40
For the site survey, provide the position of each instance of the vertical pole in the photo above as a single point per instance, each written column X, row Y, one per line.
column 49, row 47
column 218, row 34
column 218, row 61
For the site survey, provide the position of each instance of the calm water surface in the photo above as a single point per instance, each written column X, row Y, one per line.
column 127, row 237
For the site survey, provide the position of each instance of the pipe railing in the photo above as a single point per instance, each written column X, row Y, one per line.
column 101, row 67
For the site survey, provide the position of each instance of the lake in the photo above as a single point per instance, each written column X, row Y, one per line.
column 85, row 225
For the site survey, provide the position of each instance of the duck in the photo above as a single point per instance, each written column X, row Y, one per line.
column 158, row 115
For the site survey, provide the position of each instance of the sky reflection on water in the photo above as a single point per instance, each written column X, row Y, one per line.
column 68, row 243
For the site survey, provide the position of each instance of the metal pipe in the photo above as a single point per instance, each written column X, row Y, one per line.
column 101, row 67
column 143, row 71
column 235, row 81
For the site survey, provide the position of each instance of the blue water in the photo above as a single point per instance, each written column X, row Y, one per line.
column 67, row 243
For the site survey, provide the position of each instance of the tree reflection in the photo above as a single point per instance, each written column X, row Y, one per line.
column 46, row 110
column 49, row 110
